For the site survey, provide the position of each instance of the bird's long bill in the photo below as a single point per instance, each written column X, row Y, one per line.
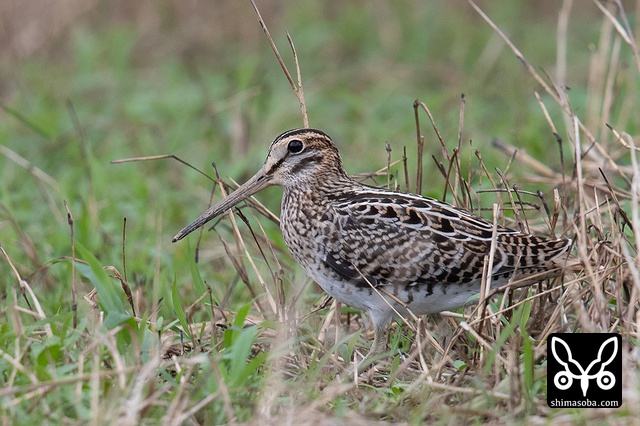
column 258, row 182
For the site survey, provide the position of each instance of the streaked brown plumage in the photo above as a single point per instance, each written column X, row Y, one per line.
column 378, row 250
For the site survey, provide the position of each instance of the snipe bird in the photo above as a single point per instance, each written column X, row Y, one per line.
column 378, row 250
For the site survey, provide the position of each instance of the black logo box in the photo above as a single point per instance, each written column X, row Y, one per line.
column 584, row 370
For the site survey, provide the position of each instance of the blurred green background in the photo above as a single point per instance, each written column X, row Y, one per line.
column 86, row 82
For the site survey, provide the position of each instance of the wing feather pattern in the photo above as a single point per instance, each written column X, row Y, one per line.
column 401, row 239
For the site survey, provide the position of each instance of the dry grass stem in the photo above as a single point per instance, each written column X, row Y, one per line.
column 296, row 89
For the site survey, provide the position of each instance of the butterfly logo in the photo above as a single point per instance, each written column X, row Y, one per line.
column 564, row 379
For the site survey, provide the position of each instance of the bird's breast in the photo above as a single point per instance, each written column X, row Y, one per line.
column 303, row 221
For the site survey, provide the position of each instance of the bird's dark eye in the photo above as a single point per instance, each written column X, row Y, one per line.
column 295, row 146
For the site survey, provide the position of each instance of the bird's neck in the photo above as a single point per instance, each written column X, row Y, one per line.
column 321, row 185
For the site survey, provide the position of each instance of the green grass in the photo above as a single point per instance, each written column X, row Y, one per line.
column 205, row 343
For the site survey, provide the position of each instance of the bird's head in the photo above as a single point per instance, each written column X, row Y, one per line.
column 297, row 158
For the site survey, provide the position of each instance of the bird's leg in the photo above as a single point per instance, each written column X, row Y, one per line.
column 378, row 347
column 380, row 340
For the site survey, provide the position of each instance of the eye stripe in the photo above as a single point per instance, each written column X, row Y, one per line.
column 304, row 162
column 275, row 166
